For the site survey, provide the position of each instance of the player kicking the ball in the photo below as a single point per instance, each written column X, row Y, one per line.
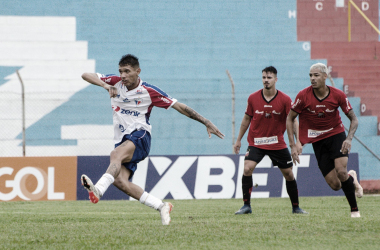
column 320, row 124
column 265, row 116
column 132, row 101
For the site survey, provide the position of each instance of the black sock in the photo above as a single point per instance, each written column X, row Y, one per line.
column 247, row 185
column 348, row 188
column 291, row 187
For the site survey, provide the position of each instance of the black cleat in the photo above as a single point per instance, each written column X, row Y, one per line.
column 298, row 210
column 246, row 209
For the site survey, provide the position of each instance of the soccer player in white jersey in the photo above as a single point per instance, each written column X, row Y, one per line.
column 321, row 125
column 132, row 102
column 265, row 116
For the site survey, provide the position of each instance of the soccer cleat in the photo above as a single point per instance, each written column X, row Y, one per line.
column 355, row 214
column 92, row 190
column 298, row 210
column 358, row 187
column 246, row 209
column 165, row 213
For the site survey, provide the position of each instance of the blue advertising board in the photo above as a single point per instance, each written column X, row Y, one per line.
column 210, row 177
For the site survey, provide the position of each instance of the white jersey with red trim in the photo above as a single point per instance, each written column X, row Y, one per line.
column 131, row 108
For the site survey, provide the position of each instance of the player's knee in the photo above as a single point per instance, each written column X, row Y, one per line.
column 116, row 155
column 336, row 186
column 342, row 175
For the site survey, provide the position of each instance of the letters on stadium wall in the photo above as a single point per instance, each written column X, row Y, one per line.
column 211, row 177
column 166, row 177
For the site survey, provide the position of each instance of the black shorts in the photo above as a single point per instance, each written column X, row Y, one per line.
column 280, row 158
column 327, row 150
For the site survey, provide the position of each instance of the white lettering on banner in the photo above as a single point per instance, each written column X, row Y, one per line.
column 172, row 181
column 258, row 179
column 204, row 179
column 311, row 133
column 266, row 140
column 306, row 47
column 18, row 184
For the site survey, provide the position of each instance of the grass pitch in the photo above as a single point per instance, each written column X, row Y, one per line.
column 196, row 224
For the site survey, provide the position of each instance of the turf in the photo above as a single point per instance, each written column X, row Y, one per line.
column 196, row 224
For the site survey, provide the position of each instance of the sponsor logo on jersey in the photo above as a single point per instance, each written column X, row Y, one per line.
column 267, row 106
column 126, row 100
column 319, row 106
column 348, row 108
column 274, row 112
column 312, row 111
column 139, row 91
column 259, row 112
column 311, row 133
column 328, row 110
column 128, row 112
column 164, row 99
column 107, row 80
column 116, row 108
column 121, row 127
column 298, row 101
column 266, row 140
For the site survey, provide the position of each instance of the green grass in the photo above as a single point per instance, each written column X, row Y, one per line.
column 196, row 224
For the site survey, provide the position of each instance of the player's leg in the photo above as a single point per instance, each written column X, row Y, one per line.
column 348, row 186
column 283, row 160
column 252, row 157
column 122, row 182
column 122, row 153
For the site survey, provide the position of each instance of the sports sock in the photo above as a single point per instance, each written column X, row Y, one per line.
column 348, row 188
column 247, row 185
column 291, row 188
column 151, row 201
column 104, row 182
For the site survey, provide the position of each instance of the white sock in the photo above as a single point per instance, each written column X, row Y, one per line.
column 104, row 182
column 151, row 201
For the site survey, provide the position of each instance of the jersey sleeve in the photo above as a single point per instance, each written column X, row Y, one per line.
column 109, row 79
column 159, row 98
column 298, row 104
column 288, row 105
column 344, row 104
column 249, row 110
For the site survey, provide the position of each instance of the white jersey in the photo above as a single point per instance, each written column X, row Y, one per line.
column 131, row 108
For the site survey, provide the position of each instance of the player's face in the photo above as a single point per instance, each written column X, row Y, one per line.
column 129, row 76
column 269, row 80
column 317, row 78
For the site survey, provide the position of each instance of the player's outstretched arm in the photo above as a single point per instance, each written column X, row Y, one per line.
column 354, row 123
column 94, row 79
column 292, row 130
column 243, row 128
column 189, row 112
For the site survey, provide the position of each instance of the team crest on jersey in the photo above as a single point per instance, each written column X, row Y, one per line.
column 268, row 115
column 138, row 101
column 321, row 114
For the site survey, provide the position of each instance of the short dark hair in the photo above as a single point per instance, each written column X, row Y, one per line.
column 129, row 60
column 270, row 69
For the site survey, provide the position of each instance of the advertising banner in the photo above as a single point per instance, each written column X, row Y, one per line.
column 38, row 178
column 211, row 177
